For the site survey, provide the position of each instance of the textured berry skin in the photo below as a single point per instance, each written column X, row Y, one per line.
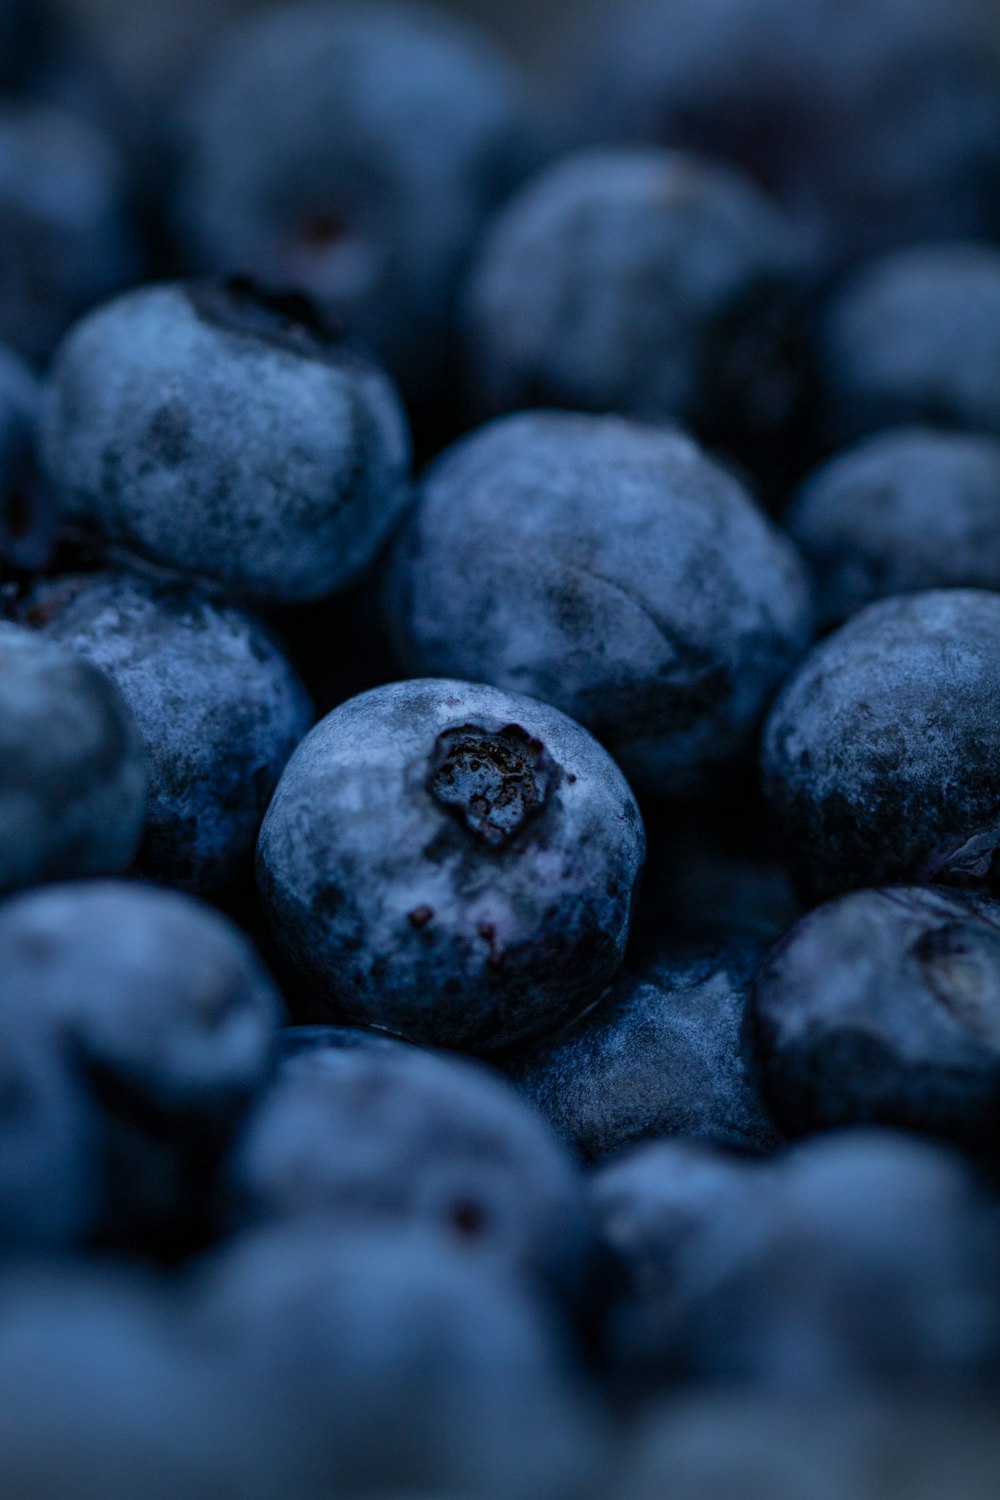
column 915, row 338
column 354, row 151
column 632, row 282
column 169, row 1018
column 398, row 1136
column 907, row 510
column 218, row 706
column 874, row 124
column 394, row 1361
column 72, row 783
column 881, row 756
column 884, row 1007
column 661, row 1054
column 451, row 862
column 67, row 243
column 226, row 432
column 611, row 569
column 863, row 1260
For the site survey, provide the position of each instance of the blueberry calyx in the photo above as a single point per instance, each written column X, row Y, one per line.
column 282, row 318
column 494, row 781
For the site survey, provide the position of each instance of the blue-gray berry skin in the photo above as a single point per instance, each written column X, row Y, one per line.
column 631, row 281
column 451, row 862
column 170, row 1021
column 661, row 1054
column 219, row 708
column 881, row 756
column 874, row 124
column 883, row 1007
column 297, row 1041
column 51, row 1184
column 915, row 338
column 392, row 1361
column 72, row 781
column 907, row 510
column 862, row 1260
column 226, row 432
column 354, row 151
column 611, row 569
column 66, row 241
column 398, row 1136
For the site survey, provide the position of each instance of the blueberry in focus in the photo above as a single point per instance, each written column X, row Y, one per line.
column 875, row 124
column 227, row 432
column 66, row 242
column 861, row 1261
column 609, row 568
column 451, row 862
column 884, row 1007
column 914, row 338
column 72, row 781
column 168, row 1017
column 662, row 1053
column 907, row 510
column 642, row 282
column 218, row 705
column 354, row 151
column 395, row 1362
column 881, row 755
column 393, row 1136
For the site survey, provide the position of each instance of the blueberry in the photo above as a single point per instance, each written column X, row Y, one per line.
column 884, row 1006
column 168, row 1016
column 642, row 282
column 397, row 1136
column 26, row 524
column 354, row 151
column 218, row 706
column 881, row 757
column 223, row 431
column 661, row 1054
column 862, row 1261
column 611, row 569
column 451, row 862
column 72, row 785
column 395, row 1362
column 50, row 1179
column 66, row 242
column 875, row 124
column 907, row 510
column 915, row 338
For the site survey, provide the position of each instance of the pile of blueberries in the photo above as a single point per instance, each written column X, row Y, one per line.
column 500, row 758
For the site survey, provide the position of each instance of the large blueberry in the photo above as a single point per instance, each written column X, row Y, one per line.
column 396, row 1135
column 394, row 1363
column 169, row 1019
column 661, row 1054
column 451, row 862
column 72, row 783
column 611, row 569
column 915, row 338
column 862, row 1260
column 226, row 432
column 881, row 756
column 874, row 123
column 647, row 283
column 66, row 242
column 909, row 509
column 884, row 1006
column 218, row 705
column 354, row 151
